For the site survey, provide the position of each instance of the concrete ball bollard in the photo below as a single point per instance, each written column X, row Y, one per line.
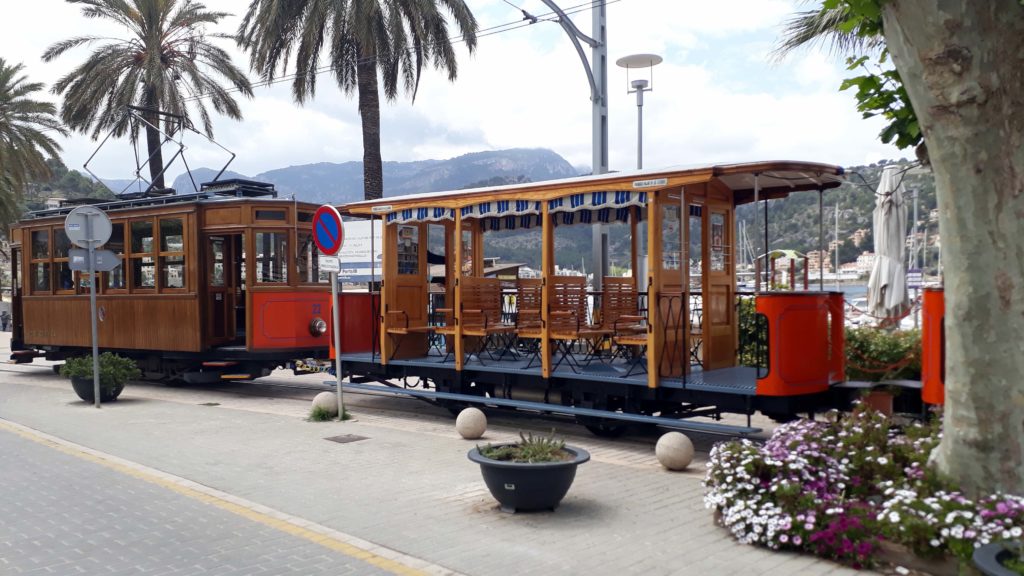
column 471, row 423
column 674, row 450
column 327, row 401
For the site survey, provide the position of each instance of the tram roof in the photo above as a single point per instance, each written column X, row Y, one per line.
column 777, row 179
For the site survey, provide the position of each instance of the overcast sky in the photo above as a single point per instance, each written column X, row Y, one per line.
column 717, row 96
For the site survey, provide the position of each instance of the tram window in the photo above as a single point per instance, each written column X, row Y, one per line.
column 84, row 282
column 40, row 276
column 272, row 257
column 719, row 248
column 695, row 248
column 61, row 243
column 142, row 237
column 144, row 272
column 40, row 244
column 172, row 237
column 671, row 238
column 270, row 215
column 65, row 276
column 115, row 278
column 172, row 271
column 467, row 253
column 142, row 262
column 307, row 260
column 408, row 250
column 172, row 253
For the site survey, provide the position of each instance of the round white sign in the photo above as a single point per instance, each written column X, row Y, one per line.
column 88, row 225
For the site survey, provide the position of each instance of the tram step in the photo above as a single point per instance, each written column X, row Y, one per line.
column 672, row 423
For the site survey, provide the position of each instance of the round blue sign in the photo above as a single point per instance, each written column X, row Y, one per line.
column 328, row 233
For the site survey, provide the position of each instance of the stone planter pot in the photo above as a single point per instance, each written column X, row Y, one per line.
column 84, row 388
column 880, row 400
column 989, row 558
column 524, row 486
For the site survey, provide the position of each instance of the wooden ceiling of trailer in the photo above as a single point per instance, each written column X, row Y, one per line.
column 776, row 179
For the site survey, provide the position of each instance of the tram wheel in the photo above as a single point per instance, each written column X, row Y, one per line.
column 605, row 427
column 781, row 417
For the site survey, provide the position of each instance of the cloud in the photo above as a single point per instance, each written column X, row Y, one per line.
column 716, row 96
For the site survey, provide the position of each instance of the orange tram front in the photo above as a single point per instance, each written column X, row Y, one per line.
column 221, row 284
column 671, row 339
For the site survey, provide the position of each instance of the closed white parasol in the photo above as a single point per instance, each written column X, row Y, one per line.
column 887, row 288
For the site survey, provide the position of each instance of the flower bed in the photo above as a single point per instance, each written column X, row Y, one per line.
column 839, row 489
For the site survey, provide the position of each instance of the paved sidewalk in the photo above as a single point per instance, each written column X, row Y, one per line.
column 64, row 514
column 407, row 486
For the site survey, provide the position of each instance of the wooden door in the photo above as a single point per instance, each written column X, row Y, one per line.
column 220, row 289
column 405, row 287
column 719, row 280
column 17, row 321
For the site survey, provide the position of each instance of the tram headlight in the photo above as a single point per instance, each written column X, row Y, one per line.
column 318, row 327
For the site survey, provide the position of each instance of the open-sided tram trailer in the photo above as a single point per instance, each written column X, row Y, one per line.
column 694, row 354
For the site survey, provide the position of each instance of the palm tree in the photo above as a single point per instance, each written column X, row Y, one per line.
column 24, row 142
column 825, row 26
column 165, row 65
column 358, row 37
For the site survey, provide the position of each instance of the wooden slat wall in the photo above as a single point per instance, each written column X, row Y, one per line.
column 166, row 322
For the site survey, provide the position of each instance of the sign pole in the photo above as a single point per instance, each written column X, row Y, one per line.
column 92, row 313
column 335, row 315
column 329, row 235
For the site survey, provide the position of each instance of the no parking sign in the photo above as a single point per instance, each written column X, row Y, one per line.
column 328, row 233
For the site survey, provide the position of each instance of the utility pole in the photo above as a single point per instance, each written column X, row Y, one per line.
column 597, row 75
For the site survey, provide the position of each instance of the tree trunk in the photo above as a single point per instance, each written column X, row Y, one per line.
column 963, row 65
column 153, row 144
column 369, row 111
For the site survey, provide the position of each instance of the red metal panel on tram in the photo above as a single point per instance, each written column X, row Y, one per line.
column 359, row 323
column 799, row 359
column 283, row 319
column 933, row 348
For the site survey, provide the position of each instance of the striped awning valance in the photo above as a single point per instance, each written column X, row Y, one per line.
column 597, row 200
column 585, row 208
column 420, row 215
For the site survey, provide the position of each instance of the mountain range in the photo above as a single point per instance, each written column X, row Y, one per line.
column 327, row 182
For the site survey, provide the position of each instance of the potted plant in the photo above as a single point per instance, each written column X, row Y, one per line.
column 115, row 371
column 1004, row 558
column 532, row 474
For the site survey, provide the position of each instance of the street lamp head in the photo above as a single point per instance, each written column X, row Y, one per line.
column 639, row 61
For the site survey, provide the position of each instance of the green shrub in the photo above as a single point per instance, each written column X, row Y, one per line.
column 873, row 355
column 115, row 370
column 529, row 449
column 321, row 414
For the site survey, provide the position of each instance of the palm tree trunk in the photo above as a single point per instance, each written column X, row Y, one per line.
column 369, row 111
column 153, row 142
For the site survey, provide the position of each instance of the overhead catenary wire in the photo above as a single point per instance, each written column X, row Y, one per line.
column 491, row 31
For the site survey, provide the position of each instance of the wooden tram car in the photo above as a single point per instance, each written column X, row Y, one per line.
column 221, row 284
column 654, row 347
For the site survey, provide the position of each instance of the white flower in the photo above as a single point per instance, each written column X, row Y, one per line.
column 883, row 460
column 1016, row 531
column 894, row 517
column 902, row 571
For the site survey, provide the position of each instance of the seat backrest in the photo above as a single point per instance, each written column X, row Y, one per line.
column 482, row 294
column 569, row 294
column 529, row 299
column 619, row 299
